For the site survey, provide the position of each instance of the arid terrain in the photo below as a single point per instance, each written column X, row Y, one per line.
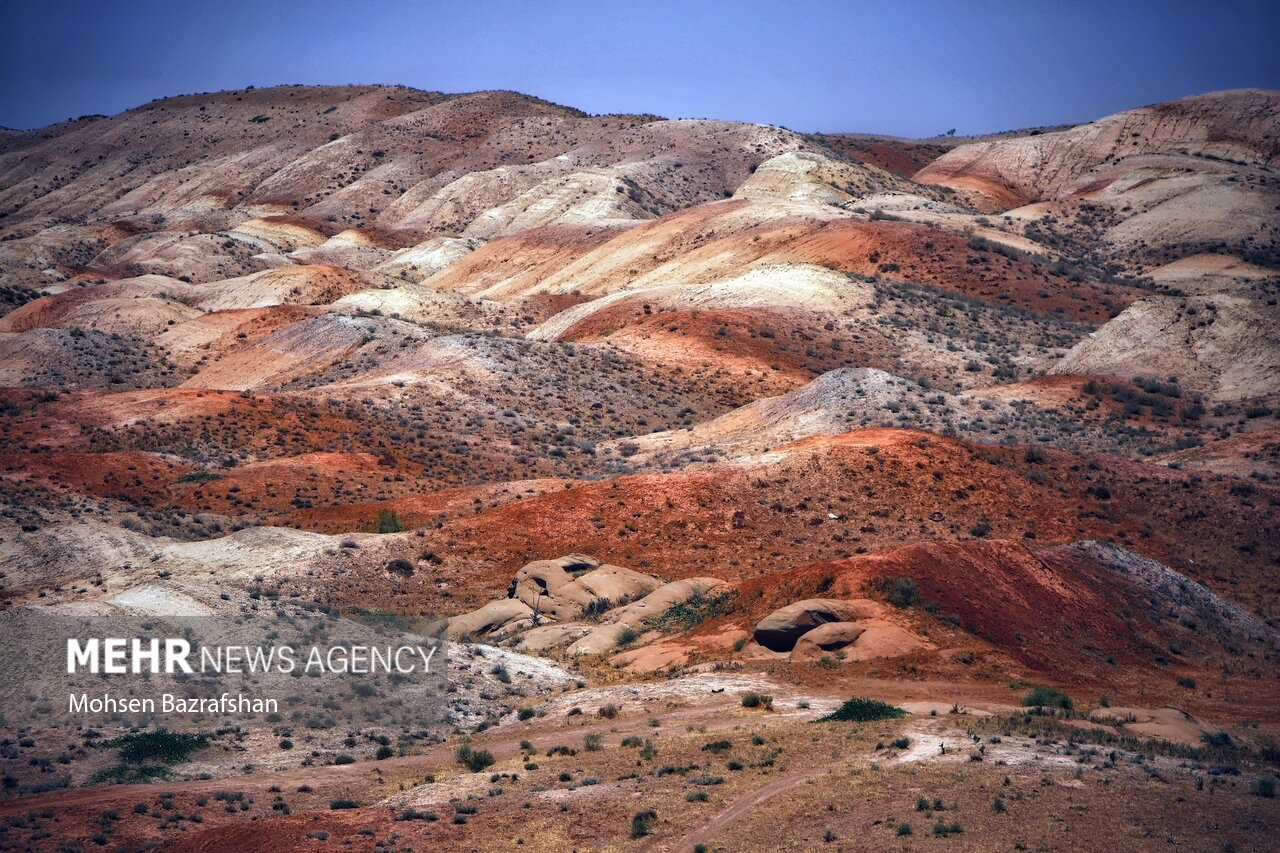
column 680, row 434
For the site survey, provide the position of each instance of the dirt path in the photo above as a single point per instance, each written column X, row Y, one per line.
column 706, row 834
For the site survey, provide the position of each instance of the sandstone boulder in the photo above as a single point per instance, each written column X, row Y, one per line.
column 882, row 639
column 780, row 630
column 826, row 638
column 498, row 617
column 560, row 589
column 545, row 638
column 664, row 598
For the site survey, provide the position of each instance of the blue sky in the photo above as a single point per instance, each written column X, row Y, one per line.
column 907, row 68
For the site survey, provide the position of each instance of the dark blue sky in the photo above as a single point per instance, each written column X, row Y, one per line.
column 909, row 68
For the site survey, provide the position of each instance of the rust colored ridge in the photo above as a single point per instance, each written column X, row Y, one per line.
column 385, row 238
column 1090, row 396
column 164, row 420
column 1082, row 612
column 884, row 486
column 1001, row 591
column 715, row 241
column 1253, row 452
column 515, row 264
column 138, row 477
column 157, row 296
column 418, row 509
column 215, row 326
column 543, row 306
column 297, row 832
column 1048, row 388
column 930, row 256
column 48, row 310
column 760, row 347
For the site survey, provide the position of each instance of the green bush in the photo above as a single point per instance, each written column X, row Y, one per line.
column 474, row 759
column 384, row 752
column 757, row 700
column 160, row 745
column 694, row 611
column 389, row 521
column 379, row 618
column 859, row 709
column 198, row 477
column 414, row 814
column 900, row 592
column 1041, row 696
column 343, row 804
column 640, row 823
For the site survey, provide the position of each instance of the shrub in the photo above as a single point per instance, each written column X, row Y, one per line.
column 198, row 477
column 384, row 752
column 160, row 745
column 903, row 829
column 757, row 700
column 694, row 611
column 608, row 711
column 389, row 521
column 1264, row 787
column 414, row 814
column 591, row 742
column 640, row 823
column 343, row 759
column 525, row 714
column 400, row 566
column 900, row 592
column 475, row 760
column 626, row 635
column 859, row 709
column 696, row 797
column 379, row 618
column 902, row 743
column 1047, row 697
column 343, row 804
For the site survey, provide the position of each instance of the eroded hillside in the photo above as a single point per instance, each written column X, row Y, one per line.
column 681, row 433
